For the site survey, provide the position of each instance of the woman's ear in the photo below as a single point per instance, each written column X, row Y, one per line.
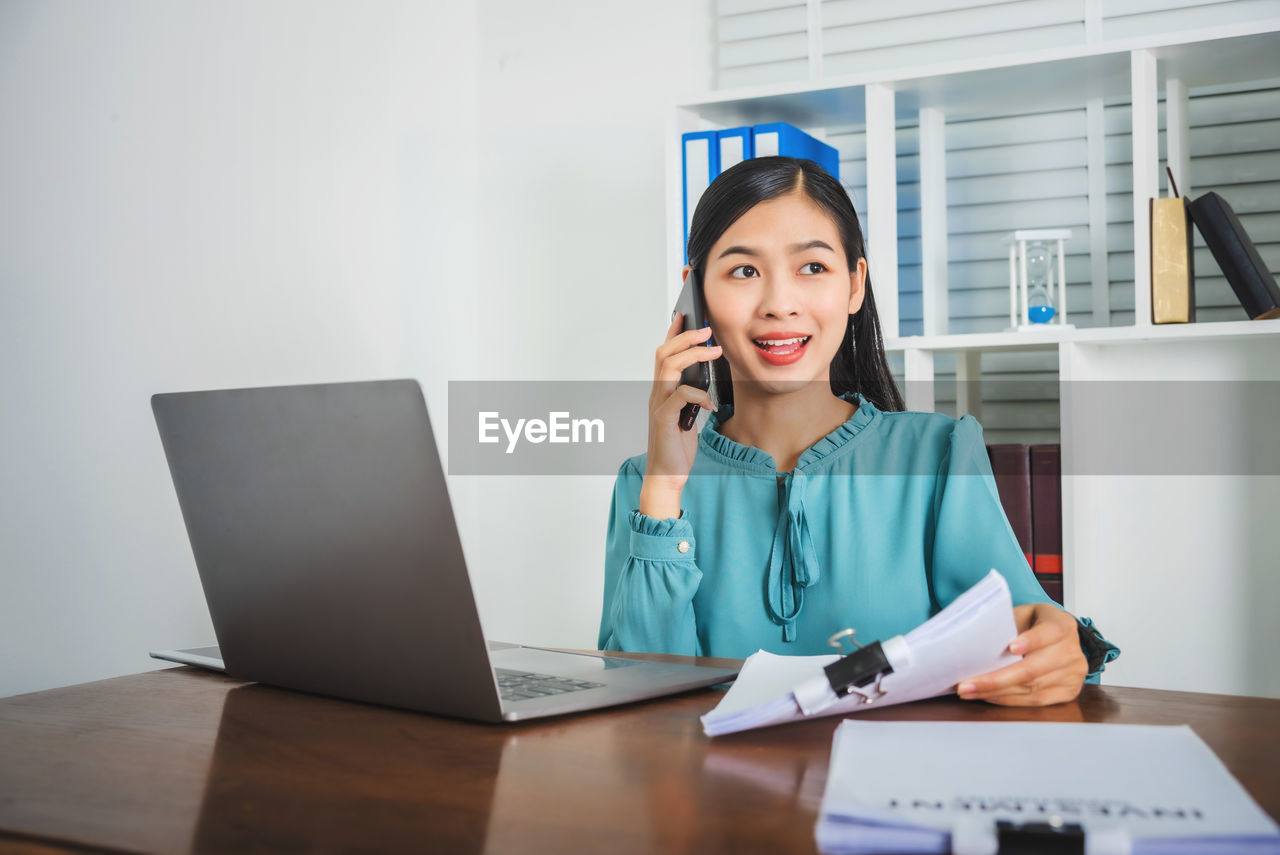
column 857, row 286
column 684, row 274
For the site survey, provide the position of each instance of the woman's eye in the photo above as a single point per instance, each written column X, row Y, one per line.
column 745, row 271
column 814, row 267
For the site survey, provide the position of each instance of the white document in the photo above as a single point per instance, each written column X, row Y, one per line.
column 969, row 637
column 942, row 786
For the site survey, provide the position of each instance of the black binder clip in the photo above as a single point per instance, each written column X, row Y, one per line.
column 860, row 668
column 1039, row 838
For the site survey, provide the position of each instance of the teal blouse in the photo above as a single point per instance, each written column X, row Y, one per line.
column 882, row 523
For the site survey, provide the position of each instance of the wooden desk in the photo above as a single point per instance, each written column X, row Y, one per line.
column 181, row 760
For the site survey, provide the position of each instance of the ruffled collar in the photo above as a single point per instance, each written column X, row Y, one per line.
column 750, row 457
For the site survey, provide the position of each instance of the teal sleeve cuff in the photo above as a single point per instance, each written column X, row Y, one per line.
column 661, row 540
column 1096, row 649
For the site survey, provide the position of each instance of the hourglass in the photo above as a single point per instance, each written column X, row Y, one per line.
column 1037, row 279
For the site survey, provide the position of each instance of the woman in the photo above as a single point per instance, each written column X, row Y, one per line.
column 809, row 502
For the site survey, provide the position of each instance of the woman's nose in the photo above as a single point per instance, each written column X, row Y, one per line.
column 780, row 297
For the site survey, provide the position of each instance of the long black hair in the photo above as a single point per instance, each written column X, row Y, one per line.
column 859, row 366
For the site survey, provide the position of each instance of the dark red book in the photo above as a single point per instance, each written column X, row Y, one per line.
column 1011, row 464
column 1046, row 517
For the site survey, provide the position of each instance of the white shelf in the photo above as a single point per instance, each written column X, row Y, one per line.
column 1217, row 330
column 1044, row 79
column 1051, row 336
column 1045, row 339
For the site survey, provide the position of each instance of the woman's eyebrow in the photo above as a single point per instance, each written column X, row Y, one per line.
column 793, row 249
column 813, row 244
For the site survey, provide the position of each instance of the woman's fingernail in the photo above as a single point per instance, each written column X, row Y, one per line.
column 967, row 688
column 1018, row 647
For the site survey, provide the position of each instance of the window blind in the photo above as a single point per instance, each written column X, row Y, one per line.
column 761, row 41
column 773, row 41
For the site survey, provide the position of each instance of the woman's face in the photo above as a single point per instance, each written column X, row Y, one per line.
column 779, row 293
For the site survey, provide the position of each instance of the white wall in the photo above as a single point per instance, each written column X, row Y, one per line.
column 572, row 124
column 199, row 195
column 202, row 194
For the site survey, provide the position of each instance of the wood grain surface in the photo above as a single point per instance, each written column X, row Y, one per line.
column 183, row 760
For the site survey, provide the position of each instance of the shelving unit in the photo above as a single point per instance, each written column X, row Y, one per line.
column 1135, row 72
column 1061, row 78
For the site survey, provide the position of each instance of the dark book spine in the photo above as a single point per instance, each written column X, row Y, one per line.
column 1046, row 517
column 1011, row 465
column 1245, row 270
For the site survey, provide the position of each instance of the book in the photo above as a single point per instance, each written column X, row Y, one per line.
column 780, row 138
column 969, row 637
column 1011, row 465
column 1245, row 270
column 1173, row 276
column 988, row 786
column 1046, row 518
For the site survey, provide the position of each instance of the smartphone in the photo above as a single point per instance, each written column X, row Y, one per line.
column 698, row 375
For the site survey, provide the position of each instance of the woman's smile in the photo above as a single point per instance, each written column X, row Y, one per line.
column 782, row 348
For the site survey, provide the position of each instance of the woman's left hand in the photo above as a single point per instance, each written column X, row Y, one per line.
column 1052, row 669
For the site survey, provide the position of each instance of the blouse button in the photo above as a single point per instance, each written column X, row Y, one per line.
column 684, row 546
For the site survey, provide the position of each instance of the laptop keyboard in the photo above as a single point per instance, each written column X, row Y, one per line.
column 522, row 685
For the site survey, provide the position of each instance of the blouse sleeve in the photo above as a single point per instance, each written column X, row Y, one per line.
column 650, row 576
column 973, row 535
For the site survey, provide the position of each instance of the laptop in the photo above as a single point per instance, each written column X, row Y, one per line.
column 322, row 530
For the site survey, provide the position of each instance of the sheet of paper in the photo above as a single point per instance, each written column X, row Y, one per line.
column 900, row 784
column 969, row 637
column 766, row 677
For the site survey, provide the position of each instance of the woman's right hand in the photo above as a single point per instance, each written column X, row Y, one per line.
column 671, row 450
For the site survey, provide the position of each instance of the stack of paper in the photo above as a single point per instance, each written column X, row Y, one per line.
column 942, row 786
column 969, row 637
